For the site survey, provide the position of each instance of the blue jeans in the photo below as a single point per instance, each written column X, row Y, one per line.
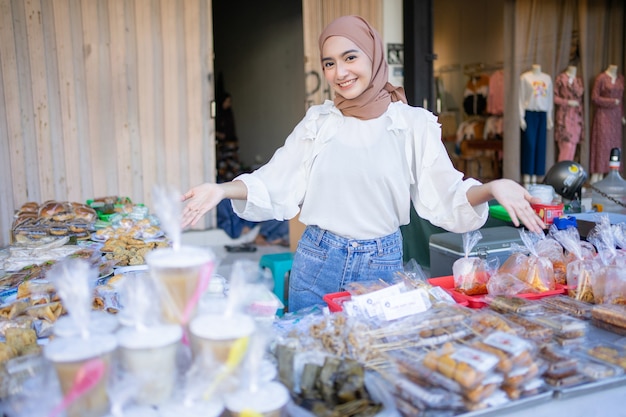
column 233, row 225
column 534, row 143
column 324, row 263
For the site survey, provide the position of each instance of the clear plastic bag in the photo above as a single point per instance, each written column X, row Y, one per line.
column 471, row 274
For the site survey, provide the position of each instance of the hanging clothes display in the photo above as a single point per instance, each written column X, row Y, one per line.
column 568, row 120
column 475, row 95
column 535, row 106
column 495, row 98
column 606, row 130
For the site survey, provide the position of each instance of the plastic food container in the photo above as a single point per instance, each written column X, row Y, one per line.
column 548, row 212
column 564, row 326
column 467, row 366
column 533, row 330
column 570, row 306
column 480, row 301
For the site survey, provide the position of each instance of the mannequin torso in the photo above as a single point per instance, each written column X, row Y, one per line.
column 611, row 71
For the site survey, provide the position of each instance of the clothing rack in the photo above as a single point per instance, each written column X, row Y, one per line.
column 481, row 68
column 448, row 68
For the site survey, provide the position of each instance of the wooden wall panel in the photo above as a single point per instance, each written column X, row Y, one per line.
column 103, row 98
column 11, row 105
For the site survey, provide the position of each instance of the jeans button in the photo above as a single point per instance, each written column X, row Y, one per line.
column 355, row 244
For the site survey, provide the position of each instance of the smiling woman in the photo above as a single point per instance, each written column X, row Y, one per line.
column 351, row 168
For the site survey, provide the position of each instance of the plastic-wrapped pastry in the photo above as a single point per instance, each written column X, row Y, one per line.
column 568, row 305
column 34, row 287
column 19, row 338
column 6, row 352
column 50, row 312
column 10, row 311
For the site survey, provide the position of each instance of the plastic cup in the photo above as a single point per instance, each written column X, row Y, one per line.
column 269, row 400
column 177, row 272
column 213, row 335
column 213, row 408
column 149, row 355
column 68, row 354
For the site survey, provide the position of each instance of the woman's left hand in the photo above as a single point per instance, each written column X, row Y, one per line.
column 516, row 201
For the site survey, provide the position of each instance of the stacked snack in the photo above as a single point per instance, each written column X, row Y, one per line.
column 611, row 317
column 561, row 367
column 568, row 331
column 568, row 305
column 474, row 370
column 35, row 223
column 515, row 359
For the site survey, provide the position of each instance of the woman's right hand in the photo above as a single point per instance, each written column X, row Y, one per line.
column 200, row 200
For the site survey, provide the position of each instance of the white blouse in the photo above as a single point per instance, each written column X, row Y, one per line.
column 356, row 178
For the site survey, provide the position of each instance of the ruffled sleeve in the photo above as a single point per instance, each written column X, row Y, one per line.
column 276, row 190
column 438, row 190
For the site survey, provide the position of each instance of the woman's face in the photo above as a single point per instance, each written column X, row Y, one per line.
column 347, row 68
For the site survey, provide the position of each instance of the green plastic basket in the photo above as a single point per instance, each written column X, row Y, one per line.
column 498, row 212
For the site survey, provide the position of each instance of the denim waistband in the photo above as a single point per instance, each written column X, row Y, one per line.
column 379, row 244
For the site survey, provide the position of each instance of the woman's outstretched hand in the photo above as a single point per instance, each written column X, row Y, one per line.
column 516, row 201
column 200, row 200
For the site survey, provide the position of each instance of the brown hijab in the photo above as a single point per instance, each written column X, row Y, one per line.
column 376, row 98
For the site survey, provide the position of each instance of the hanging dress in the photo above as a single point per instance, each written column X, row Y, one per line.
column 568, row 122
column 606, row 129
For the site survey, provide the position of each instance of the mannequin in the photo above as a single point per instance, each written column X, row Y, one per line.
column 568, row 100
column 535, row 110
column 608, row 120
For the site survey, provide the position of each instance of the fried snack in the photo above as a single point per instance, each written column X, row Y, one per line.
column 486, row 321
column 29, row 288
column 609, row 354
column 465, row 365
column 13, row 310
column 49, row 312
column 518, row 305
column 19, row 339
column 570, row 306
column 33, row 349
column 610, row 313
column 532, row 330
column 6, row 352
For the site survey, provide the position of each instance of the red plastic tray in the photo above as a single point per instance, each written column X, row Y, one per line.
column 335, row 300
column 478, row 301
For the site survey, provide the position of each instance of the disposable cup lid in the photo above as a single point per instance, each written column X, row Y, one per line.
column 74, row 349
column 269, row 397
column 185, row 256
column 220, row 327
column 213, row 408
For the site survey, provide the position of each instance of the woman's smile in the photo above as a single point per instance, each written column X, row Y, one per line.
column 346, row 68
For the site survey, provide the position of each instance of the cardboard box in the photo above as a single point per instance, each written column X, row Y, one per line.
column 446, row 248
column 296, row 228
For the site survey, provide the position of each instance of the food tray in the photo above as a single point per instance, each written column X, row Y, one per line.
column 515, row 405
column 478, row 301
column 589, row 387
column 335, row 300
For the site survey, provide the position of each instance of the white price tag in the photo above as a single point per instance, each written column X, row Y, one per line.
column 369, row 303
column 405, row 304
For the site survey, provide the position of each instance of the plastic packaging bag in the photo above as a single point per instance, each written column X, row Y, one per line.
column 471, row 274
